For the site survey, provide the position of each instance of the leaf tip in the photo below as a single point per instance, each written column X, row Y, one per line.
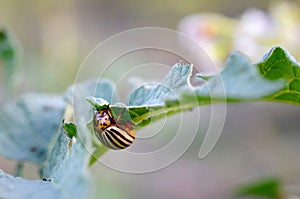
column 97, row 103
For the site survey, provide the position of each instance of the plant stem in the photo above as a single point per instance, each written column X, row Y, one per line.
column 19, row 169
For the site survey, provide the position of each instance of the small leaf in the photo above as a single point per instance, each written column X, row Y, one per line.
column 179, row 76
column 102, row 98
column 7, row 52
column 98, row 103
column 152, row 94
column 239, row 81
column 70, row 129
column 33, row 116
column 148, row 102
column 267, row 188
column 79, row 93
column 279, row 64
column 155, row 94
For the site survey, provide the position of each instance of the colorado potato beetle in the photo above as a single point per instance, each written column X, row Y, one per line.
column 113, row 133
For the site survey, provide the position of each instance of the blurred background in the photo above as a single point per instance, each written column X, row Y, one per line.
column 258, row 139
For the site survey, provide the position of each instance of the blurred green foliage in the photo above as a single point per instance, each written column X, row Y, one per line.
column 265, row 188
column 8, row 56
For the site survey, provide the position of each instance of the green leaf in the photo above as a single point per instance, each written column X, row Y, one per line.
column 78, row 94
column 67, row 167
column 238, row 81
column 99, row 94
column 39, row 117
column 279, row 64
column 267, row 188
column 100, row 98
column 33, row 116
column 8, row 54
column 7, row 51
column 70, row 129
column 155, row 94
column 98, row 103
column 66, row 164
column 64, row 173
column 148, row 102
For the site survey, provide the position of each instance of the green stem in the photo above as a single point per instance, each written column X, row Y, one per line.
column 19, row 169
column 99, row 151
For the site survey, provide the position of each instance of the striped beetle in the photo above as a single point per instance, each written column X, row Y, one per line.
column 113, row 133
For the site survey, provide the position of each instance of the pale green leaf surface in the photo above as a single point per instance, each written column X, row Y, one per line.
column 67, row 168
column 147, row 103
column 35, row 121
column 27, row 125
column 238, row 81
column 155, row 94
column 19, row 188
